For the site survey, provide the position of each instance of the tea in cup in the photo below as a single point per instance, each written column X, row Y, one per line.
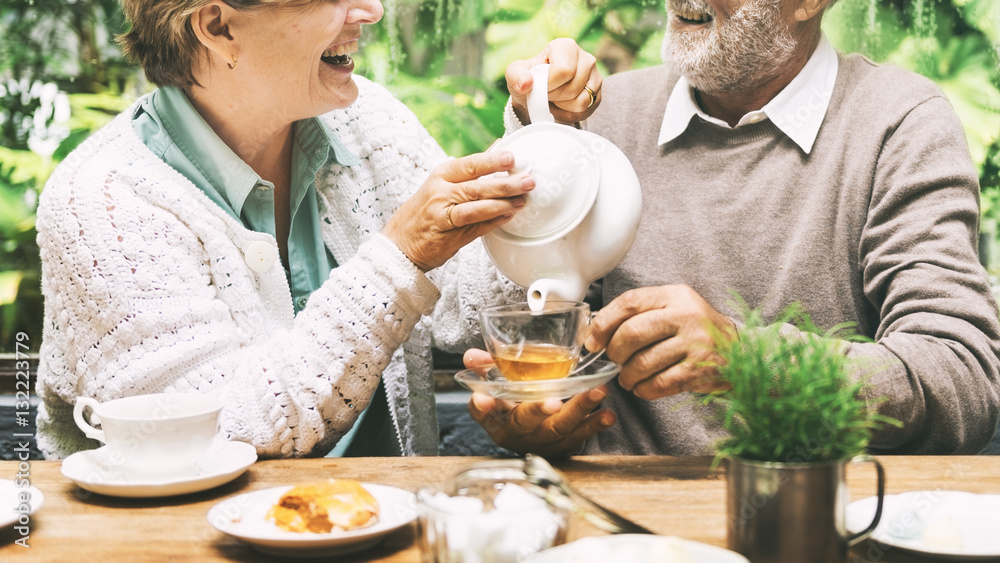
column 153, row 435
column 531, row 345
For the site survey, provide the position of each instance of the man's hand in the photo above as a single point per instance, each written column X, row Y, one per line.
column 664, row 339
column 571, row 68
column 549, row 428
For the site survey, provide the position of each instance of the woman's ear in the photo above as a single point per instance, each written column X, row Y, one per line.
column 211, row 26
column 807, row 9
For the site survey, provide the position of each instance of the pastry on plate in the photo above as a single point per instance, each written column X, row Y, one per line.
column 337, row 505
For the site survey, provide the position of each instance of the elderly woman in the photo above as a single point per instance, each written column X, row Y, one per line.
column 263, row 227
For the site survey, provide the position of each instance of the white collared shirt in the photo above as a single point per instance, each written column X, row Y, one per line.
column 798, row 110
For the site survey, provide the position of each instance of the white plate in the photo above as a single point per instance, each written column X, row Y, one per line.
column 488, row 380
column 93, row 470
column 973, row 518
column 636, row 548
column 10, row 500
column 245, row 517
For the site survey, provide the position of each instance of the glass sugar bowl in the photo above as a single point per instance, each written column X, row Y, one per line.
column 490, row 512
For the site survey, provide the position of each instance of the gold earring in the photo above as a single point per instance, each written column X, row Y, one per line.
column 235, row 62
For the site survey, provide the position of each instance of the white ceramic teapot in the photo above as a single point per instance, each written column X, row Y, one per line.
column 581, row 218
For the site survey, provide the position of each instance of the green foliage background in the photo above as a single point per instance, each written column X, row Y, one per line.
column 445, row 59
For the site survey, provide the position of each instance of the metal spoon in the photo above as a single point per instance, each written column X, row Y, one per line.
column 559, row 493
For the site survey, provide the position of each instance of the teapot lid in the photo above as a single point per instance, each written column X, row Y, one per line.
column 565, row 169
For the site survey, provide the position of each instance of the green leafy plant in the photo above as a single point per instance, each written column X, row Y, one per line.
column 445, row 59
column 20, row 292
column 71, row 42
column 793, row 396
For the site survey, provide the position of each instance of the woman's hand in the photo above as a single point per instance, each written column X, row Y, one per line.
column 665, row 340
column 571, row 70
column 455, row 206
column 548, row 428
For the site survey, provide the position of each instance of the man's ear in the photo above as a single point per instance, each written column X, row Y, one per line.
column 807, row 9
column 211, row 26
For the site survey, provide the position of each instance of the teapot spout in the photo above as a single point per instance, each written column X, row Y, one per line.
column 566, row 288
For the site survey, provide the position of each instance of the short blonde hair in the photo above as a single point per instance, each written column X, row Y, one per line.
column 161, row 39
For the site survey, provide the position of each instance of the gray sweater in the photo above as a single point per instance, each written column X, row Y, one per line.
column 877, row 226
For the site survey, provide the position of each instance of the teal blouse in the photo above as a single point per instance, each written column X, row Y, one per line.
column 169, row 125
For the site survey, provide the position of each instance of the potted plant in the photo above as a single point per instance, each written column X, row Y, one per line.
column 796, row 417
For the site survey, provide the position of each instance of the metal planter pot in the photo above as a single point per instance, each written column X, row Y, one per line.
column 783, row 512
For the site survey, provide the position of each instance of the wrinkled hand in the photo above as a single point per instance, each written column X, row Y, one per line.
column 571, row 69
column 664, row 339
column 549, row 428
column 455, row 206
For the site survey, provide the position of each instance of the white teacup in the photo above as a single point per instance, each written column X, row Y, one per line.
column 154, row 435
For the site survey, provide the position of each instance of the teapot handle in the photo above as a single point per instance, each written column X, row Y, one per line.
column 538, row 96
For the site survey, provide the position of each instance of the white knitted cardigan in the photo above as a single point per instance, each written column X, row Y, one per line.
column 147, row 290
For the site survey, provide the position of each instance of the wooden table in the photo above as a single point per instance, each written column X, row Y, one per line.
column 671, row 495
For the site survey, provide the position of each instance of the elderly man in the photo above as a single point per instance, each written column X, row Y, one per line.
column 774, row 166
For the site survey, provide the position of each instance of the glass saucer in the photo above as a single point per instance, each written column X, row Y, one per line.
column 488, row 379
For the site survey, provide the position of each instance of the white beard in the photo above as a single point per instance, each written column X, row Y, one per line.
column 738, row 55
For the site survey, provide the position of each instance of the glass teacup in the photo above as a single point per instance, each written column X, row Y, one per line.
column 531, row 345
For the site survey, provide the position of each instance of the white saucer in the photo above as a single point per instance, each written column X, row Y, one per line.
column 245, row 517
column 92, row 470
column 972, row 519
column 10, row 500
column 636, row 547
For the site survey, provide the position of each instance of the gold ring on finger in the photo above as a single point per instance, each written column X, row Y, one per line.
column 447, row 215
column 593, row 96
